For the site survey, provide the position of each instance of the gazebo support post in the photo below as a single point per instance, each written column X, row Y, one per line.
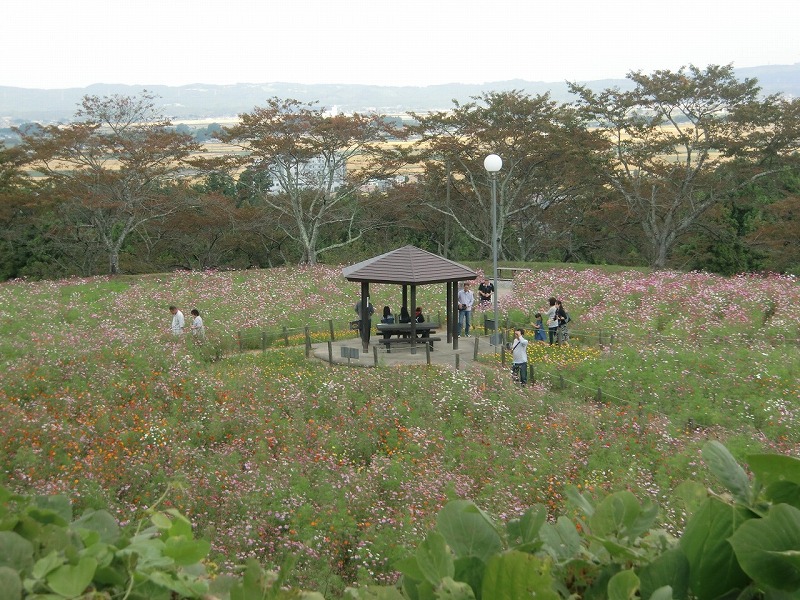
column 448, row 303
column 411, row 310
column 454, row 309
column 366, row 322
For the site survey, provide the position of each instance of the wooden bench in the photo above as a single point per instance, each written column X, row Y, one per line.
column 403, row 330
column 389, row 342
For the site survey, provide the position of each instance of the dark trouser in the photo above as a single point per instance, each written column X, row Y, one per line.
column 520, row 371
column 552, row 333
column 464, row 321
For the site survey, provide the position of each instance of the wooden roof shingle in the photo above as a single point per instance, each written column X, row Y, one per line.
column 408, row 265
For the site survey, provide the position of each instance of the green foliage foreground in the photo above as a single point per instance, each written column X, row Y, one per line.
column 740, row 544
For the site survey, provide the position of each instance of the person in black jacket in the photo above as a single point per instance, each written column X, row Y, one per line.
column 562, row 316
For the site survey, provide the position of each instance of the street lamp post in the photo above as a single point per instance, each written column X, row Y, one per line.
column 493, row 164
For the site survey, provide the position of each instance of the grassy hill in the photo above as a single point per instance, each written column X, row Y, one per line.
column 270, row 453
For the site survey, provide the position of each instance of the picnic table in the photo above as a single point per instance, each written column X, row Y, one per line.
column 403, row 333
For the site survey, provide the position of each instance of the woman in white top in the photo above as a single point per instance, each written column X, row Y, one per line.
column 552, row 320
column 198, row 329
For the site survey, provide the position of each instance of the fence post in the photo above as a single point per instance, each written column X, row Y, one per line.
column 428, row 354
column 475, row 353
column 330, row 326
column 561, row 382
column 375, row 355
column 330, row 351
column 599, row 394
column 308, row 341
column 458, row 361
column 532, row 373
column 285, row 336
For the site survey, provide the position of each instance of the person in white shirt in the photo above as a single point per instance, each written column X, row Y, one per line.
column 177, row 321
column 198, row 329
column 552, row 320
column 519, row 354
column 465, row 301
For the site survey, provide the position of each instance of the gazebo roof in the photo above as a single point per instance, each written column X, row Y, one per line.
column 408, row 265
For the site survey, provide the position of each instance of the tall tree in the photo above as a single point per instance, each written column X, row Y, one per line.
column 670, row 142
column 14, row 210
column 318, row 164
column 538, row 141
column 113, row 165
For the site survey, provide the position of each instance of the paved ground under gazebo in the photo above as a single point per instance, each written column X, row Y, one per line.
column 444, row 354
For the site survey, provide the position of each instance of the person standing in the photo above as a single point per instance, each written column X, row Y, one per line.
column 519, row 354
column 552, row 320
column 465, row 301
column 539, row 335
column 178, row 322
column 485, row 291
column 562, row 316
column 198, row 329
column 370, row 309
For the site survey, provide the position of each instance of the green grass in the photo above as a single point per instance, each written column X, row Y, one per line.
column 274, row 454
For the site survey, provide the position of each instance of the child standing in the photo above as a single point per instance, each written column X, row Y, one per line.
column 538, row 326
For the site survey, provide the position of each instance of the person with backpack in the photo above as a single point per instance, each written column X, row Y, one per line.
column 562, row 316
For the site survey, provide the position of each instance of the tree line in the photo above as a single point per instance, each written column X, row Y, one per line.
column 689, row 169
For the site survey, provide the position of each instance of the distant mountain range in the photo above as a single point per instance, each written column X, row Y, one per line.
column 202, row 101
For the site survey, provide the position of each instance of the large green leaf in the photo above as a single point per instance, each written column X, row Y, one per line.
column 562, row 540
column 434, row 558
column 10, row 584
column 185, row 551
column 526, row 528
column 573, row 495
column 15, row 551
column 662, row 593
column 468, row 530
column 692, row 494
column 183, row 585
column 470, row 570
column 623, row 586
column 449, row 589
column 72, row 580
column 373, row 592
column 725, row 468
column 669, row 569
column 783, row 492
column 768, row 549
column 51, row 509
column 410, row 568
column 46, row 564
column 769, row 468
column 100, row 522
column 514, row 575
column 713, row 567
column 622, row 516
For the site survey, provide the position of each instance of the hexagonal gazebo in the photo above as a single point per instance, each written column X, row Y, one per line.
column 410, row 266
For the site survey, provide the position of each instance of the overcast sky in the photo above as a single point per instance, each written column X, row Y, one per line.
column 74, row 43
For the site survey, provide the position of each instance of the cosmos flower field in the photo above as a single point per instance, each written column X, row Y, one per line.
column 270, row 454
